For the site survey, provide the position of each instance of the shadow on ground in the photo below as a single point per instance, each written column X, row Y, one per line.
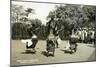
column 28, row 52
column 46, row 54
column 65, row 51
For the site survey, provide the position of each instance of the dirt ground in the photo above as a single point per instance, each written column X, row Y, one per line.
column 19, row 56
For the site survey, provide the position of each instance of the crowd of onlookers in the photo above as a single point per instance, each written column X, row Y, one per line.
column 85, row 35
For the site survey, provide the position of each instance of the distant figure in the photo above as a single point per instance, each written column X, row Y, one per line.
column 79, row 34
column 58, row 40
column 82, row 36
column 85, row 36
column 92, row 36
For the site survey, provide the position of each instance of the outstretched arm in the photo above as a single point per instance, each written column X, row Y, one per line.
column 37, row 28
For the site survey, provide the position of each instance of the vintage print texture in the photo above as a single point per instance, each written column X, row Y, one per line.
column 45, row 33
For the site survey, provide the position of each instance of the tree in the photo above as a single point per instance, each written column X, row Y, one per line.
column 20, row 21
column 19, row 14
column 68, row 16
column 28, row 11
column 90, row 12
column 16, row 11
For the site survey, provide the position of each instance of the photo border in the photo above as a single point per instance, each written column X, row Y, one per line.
column 47, row 63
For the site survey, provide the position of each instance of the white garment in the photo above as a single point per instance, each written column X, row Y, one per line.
column 59, row 41
column 92, row 36
column 67, row 46
column 28, row 41
column 79, row 34
column 34, row 36
column 85, row 33
column 75, row 36
column 51, row 36
column 82, row 35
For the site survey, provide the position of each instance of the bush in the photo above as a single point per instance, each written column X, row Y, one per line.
column 19, row 31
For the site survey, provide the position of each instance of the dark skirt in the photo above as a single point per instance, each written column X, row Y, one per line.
column 50, row 46
column 34, row 42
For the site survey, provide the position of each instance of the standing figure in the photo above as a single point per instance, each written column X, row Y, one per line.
column 50, row 47
column 56, row 40
column 92, row 36
column 79, row 35
column 73, row 43
column 82, row 36
column 85, row 36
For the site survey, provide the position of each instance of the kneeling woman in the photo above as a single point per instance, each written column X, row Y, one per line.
column 34, row 41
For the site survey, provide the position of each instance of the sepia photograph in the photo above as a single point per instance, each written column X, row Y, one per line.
column 52, row 33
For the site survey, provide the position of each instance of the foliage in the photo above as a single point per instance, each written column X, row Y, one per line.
column 90, row 12
column 21, row 25
column 63, row 20
column 19, row 31
column 71, row 17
